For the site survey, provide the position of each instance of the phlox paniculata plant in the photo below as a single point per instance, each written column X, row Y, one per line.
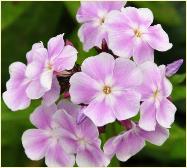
column 119, row 83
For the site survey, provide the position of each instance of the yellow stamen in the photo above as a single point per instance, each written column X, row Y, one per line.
column 137, row 33
column 107, row 89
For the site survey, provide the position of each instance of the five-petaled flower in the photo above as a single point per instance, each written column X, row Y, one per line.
column 107, row 85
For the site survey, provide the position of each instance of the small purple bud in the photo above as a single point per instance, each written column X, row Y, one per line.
column 173, row 67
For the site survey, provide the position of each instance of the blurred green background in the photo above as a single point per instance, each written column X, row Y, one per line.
column 25, row 23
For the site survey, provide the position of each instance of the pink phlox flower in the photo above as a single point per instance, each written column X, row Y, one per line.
column 130, row 34
column 107, row 85
column 130, row 142
column 92, row 16
column 155, row 90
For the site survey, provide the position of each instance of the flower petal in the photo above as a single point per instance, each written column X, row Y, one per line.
column 119, row 33
column 142, row 17
column 130, row 144
column 55, row 45
column 46, row 79
column 91, row 10
column 69, row 107
column 165, row 115
column 34, row 69
column 126, row 74
column 157, row 137
column 34, row 47
column 99, row 67
column 88, row 129
column 82, row 88
column 147, row 116
column 143, row 52
column 66, row 59
column 158, row 38
column 91, row 35
column 42, row 116
column 35, row 143
column 52, row 95
column 56, row 156
column 35, row 90
column 91, row 157
column 16, row 99
column 110, row 147
column 127, row 105
column 99, row 112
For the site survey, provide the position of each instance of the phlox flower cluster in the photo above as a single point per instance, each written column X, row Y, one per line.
column 120, row 82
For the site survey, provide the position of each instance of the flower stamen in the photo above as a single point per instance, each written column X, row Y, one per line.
column 107, row 89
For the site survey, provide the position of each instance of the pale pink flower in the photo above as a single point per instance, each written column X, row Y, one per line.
column 130, row 34
column 130, row 142
column 46, row 63
column 155, row 90
column 107, row 86
column 46, row 140
column 92, row 15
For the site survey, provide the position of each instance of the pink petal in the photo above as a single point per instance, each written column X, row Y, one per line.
column 143, row 52
column 127, row 105
column 88, row 129
column 69, row 107
column 125, row 67
column 91, row 157
column 42, row 116
column 82, row 88
column 119, row 33
column 34, row 47
column 99, row 67
column 55, row 45
column 67, row 123
column 110, row 147
column 158, row 38
column 165, row 115
column 166, row 87
column 131, row 143
column 35, row 90
column 100, row 113
column 56, row 156
column 35, row 143
column 17, row 70
column 52, row 95
column 147, row 116
column 16, row 99
column 66, row 59
column 34, row 69
column 151, row 79
column 46, row 79
column 39, row 54
column 91, row 10
column 157, row 137
column 91, row 35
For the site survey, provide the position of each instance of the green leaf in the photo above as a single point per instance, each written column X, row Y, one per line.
column 11, row 11
column 178, row 78
column 178, row 93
